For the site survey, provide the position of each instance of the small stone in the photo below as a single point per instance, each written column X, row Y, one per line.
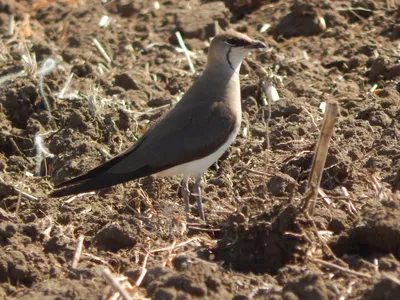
column 125, row 81
column 198, row 22
column 279, row 185
column 124, row 122
column 7, row 230
column 114, row 237
column 301, row 21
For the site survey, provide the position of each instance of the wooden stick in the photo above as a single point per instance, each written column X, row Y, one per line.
column 11, row 25
column 169, row 248
column 391, row 277
column 185, row 51
column 20, row 193
column 102, row 51
column 314, row 180
column 115, row 284
column 78, row 252
column 345, row 270
column 61, row 95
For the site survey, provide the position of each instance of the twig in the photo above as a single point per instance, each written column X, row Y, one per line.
column 41, row 152
column 69, row 200
column 11, row 25
column 102, row 51
column 115, row 284
column 185, row 51
column 20, row 194
column 352, row 10
column 207, row 229
column 47, row 66
column 47, row 231
column 140, row 113
column 314, row 180
column 325, row 198
column 61, row 95
column 346, row 270
column 97, row 259
column 78, row 252
column 169, row 254
column 95, row 103
column 30, row 61
column 315, row 126
column 267, row 123
column 17, row 150
column 169, row 248
column 257, row 172
column 11, row 76
column 144, row 270
column 391, row 277
column 26, row 195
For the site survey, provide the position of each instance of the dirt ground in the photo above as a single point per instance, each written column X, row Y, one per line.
column 257, row 243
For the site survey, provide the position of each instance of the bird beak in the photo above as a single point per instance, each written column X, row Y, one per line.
column 256, row 45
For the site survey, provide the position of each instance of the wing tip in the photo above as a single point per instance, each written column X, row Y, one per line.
column 60, row 193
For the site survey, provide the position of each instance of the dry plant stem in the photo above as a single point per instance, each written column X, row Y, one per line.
column 144, row 270
column 41, row 151
column 102, row 51
column 331, row 112
column 26, row 195
column 30, row 61
column 17, row 150
column 115, row 284
column 169, row 253
column 44, row 97
column 185, row 51
column 170, row 248
column 346, row 270
column 391, row 277
column 267, row 136
column 140, row 113
column 69, row 200
column 11, row 25
column 66, row 86
column 46, row 68
column 20, row 194
column 11, row 76
column 78, row 252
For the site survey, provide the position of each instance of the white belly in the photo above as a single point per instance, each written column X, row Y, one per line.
column 199, row 166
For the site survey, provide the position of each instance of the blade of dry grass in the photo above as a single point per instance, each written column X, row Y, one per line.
column 314, row 180
column 102, row 51
column 115, row 284
column 185, row 51
column 78, row 251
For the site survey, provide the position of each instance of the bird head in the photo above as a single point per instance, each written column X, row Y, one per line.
column 231, row 47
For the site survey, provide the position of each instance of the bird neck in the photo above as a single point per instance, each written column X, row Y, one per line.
column 223, row 70
column 234, row 61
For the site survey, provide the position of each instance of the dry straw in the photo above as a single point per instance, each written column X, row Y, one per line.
column 47, row 66
column 314, row 180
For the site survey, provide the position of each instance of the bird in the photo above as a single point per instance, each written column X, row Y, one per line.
column 191, row 137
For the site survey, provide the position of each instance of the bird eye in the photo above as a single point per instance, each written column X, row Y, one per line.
column 232, row 42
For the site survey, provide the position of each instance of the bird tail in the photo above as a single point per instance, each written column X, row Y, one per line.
column 99, row 178
column 89, row 185
column 75, row 189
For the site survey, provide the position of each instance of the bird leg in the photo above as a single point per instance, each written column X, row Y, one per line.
column 197, row 191
column 185, row 194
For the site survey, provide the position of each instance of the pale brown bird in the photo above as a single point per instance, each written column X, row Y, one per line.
column 190, row 137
